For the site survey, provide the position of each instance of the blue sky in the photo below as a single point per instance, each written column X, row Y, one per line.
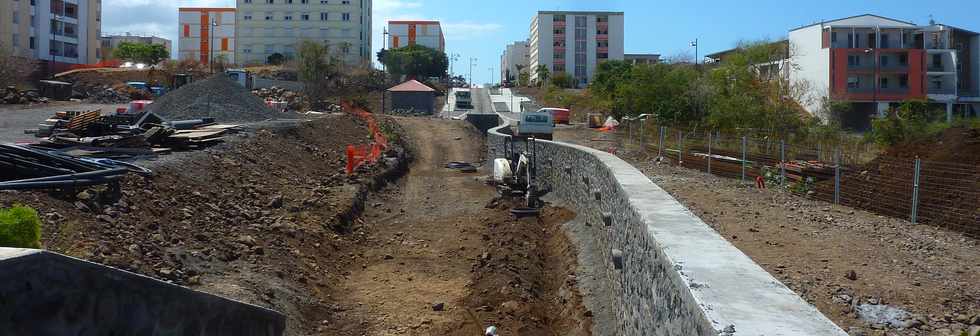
column 482, row 28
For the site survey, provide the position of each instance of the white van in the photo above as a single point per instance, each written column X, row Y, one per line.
column 539, row 124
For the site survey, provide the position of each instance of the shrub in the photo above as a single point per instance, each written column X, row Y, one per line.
column 20, row 227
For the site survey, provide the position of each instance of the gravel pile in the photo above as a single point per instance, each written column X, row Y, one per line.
column 228, row 102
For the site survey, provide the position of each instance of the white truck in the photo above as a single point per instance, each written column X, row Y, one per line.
column 539, row 124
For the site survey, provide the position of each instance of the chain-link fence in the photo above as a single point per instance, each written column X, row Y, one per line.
column 851, row 173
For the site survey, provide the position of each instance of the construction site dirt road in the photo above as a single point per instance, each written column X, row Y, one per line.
column 437, row 260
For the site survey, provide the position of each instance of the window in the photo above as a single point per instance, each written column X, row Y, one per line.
column 345, row 16
column 16, row 40
column 324, row 16
column 304, row 1
column 884, row 40
column 305, row 17
column 32, row 42
column 833, row 37
column 903, row 59
column 850, row 41
column 937, row 61
column 248, row 1
column 903, row 81
column 884, row 83
column 288, row 17
column 270, row 1
column 16, row 17
column 270, row 48
column 247, row 50
column 853, row 60
column 536, row 119
column 345, row 2
column 884, row 60
column 323, row 2
column 853, row 82
column 268, row 16
column 247, row 17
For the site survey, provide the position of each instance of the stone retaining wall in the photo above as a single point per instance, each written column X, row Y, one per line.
column 674, row 274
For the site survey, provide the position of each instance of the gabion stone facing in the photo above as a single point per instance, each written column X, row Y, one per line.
column 607, row 218
column 617, row 258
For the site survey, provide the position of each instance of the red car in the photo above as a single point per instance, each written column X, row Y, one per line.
column 560, row 115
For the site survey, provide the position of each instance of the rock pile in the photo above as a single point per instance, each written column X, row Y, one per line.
column 294, row 101
column 105, row 94
column 13, row 96
column 217, row 97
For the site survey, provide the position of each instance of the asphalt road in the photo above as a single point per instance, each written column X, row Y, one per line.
column 15, row 119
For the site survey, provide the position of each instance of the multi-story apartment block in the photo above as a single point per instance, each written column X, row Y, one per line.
column 110, row 42
column 575, row 42
column 637, row 59
column 876, row 62
column 423, row 33
column 203, row 31
column 266, row 27
column 62, row 32
column 514, row 60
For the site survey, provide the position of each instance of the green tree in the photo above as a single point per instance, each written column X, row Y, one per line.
column 317, row 69
column 275, row 59
column 563, row 80
column 415, row 61
column 524, row 78
column 141, row 52
column 543, row 74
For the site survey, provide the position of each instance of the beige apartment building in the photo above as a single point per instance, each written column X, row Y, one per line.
column 63, row 32
column 266, row 27
column 206, row 31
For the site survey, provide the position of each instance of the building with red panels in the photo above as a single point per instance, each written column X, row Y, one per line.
column 875, row 63
column 206, row 30
column 424, row 33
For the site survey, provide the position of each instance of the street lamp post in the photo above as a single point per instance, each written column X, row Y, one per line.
column 384, row 72
column 472, row 63
column 695, row 45
column 214, row 23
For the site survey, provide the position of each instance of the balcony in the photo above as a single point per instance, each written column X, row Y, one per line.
column 558, row 61
column 941, row 91
column 602, row 37
column 559, row 24
column 602, row 50
column 559, row 37
column 602, row 25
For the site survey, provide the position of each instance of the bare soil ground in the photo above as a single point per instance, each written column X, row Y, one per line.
column 835, row 257
column 435, row 260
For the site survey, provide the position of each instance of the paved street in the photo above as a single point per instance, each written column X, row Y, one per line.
column 15, row 119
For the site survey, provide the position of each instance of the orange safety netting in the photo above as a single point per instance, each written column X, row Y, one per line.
column 361, row 154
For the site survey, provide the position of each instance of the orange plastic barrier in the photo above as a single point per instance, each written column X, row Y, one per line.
column 358, row 155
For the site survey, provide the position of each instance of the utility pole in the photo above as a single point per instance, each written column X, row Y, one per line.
column 214, row 23
column 695, row 45
column 384, row 70
column 472, row 63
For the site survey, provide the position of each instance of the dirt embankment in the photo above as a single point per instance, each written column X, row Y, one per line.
column 260, row 219
column 835, row 257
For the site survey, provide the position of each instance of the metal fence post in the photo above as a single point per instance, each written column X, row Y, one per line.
column 660, row 146
column 837, row 176
column 680, row 148
column 643, row 124
column 744, row 149
column 629, row 137
column 782, row 162
column 709, row 152
column 915, row 190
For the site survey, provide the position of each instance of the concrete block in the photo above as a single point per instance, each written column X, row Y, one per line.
column 45, row 293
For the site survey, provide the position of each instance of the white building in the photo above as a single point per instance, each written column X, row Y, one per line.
column 63, row 32
column 111, row 42
column 514, row 60
column 424, row 33
column 876, row 63
column 575, row 42
column 267, row 27
column 206, row 30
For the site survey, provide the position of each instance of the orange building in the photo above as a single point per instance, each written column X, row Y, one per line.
column 424, row 33
column 195, row 36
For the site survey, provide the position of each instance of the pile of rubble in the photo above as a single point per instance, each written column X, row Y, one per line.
column 217, row 97
column 293, row 101
column 11, row 95
column 105, row 94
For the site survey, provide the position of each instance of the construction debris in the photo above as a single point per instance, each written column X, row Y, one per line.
column 13, row 96
column 293, row 101
column 25, row 167
column 216, row 97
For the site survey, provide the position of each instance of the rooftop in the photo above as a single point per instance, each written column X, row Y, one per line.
column 411, row 86
column 580, row 13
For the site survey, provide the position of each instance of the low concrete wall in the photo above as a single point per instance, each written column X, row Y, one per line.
column 44, row 293
column 677, row 275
